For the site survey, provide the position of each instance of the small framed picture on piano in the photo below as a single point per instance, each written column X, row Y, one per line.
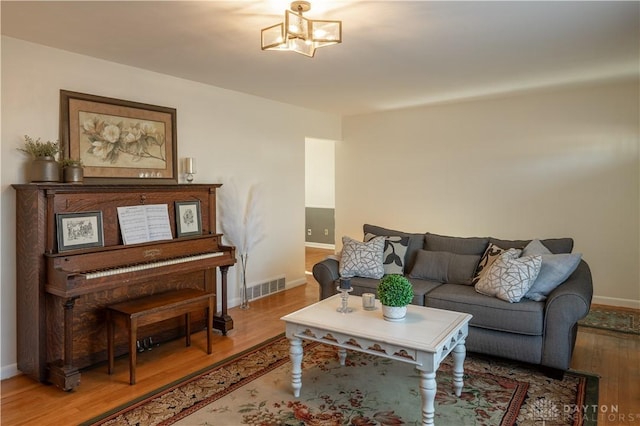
column 188, row 218
column 79, row 230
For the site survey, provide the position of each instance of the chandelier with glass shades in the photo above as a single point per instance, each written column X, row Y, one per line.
column 300, row 34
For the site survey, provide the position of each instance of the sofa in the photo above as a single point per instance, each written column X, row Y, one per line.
column 525, row 322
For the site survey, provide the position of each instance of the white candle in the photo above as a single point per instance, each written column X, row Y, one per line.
column 368, row 301
column 189, row 165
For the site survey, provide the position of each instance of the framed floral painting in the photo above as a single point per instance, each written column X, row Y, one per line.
column 119, row 141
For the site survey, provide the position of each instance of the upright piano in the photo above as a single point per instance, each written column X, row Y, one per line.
column 62, row 294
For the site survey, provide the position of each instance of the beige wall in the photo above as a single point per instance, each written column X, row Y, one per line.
column 553, row 163
column 230, row 134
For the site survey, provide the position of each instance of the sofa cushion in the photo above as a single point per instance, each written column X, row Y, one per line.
column 416, row 241
column 555, row 269
column 420, row 288
column 395, row 249
column 526, row 317
column 490, row 255
column 510, row 276
column 362, row 259
column 444, row 267
column 459, row 245
column 555, row 245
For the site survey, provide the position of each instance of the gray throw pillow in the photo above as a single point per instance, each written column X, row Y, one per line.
column 556, row 268
column 395, row 248
column 362, row 259
column 444, row 267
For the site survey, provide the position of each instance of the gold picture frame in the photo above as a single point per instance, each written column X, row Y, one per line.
column 119, row 141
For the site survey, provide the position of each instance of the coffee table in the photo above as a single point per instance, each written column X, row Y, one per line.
column 424, row 339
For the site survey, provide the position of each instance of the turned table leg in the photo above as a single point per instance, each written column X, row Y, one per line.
column 295, row 352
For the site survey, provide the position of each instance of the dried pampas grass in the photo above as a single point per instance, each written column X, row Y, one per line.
column 241, row 221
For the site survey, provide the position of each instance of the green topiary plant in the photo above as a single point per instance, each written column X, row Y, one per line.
column 395, row 290
column 40, row 149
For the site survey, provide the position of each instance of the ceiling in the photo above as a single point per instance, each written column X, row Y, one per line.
column 394, row 54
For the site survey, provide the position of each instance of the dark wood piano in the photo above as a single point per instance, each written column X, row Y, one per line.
column 62, row 296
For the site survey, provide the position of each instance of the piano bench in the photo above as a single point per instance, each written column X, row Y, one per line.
column 155, row 308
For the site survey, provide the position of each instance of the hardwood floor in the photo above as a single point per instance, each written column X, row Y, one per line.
column 613, row 356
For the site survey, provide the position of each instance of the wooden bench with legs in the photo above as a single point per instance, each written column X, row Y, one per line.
column 155, row 308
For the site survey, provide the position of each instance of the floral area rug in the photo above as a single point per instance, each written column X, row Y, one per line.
column 255, row 389
column 602, row 317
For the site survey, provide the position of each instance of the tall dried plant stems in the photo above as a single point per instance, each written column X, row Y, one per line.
column 242, row 224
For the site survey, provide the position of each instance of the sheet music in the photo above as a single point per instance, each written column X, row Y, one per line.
column 141, row 224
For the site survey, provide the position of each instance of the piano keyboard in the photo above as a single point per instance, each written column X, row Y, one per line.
column 151, row 265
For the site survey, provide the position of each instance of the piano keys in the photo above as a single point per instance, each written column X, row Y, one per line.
column 61, row 296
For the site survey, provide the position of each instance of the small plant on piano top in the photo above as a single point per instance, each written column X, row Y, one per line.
column 38, row 149
column 70, row 162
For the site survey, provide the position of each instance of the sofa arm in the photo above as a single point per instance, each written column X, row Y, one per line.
column 564, row 307
column 326, row 273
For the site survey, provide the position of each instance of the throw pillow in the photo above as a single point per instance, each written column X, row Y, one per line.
column 444, row 267
column 395, row 248
column 510, row 276
column 362, row 259
column 490, row 255
column 555, row 269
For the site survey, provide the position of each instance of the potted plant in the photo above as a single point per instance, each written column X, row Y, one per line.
column 395, row 292
column 44, row 167
column 72, row 170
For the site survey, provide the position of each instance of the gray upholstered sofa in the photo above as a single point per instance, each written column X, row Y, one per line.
column 537, row 332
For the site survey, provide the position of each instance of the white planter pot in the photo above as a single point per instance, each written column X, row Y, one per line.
column 394, row 313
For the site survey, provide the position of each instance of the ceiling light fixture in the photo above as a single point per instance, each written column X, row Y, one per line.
column 299, row 34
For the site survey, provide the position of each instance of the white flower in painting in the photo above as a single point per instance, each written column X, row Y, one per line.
column 131, row 134
column 89, row 125
column 111, row 133
column 101, row 149
column 149, row 129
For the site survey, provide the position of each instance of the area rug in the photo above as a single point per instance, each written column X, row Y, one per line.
column 602, row 317
column 255, row 389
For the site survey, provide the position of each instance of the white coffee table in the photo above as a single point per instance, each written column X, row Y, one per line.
column 424, row 339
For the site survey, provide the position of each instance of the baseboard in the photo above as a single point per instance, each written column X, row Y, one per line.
column 614, row 301
column 320, row 245
column 8, row 371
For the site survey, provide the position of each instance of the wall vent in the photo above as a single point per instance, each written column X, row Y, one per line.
column 256, row 291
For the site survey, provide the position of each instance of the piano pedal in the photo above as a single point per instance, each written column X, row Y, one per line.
column 139, row 346
column 149, row 343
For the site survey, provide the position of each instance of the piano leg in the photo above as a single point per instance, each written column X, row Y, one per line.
column 223, row 322
column 62, row 373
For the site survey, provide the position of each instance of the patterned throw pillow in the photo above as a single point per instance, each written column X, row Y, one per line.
column 395, row 249
column 490, row 255
column 362, row 259
column 510, row 277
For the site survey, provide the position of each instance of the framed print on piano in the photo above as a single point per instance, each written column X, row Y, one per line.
column 188, row 218
column 79, row 230
column 119, row 141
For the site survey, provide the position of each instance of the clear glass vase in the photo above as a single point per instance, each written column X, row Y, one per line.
column 244, row 303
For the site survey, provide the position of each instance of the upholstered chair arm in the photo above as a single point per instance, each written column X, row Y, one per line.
column 565, row 306
column 326, row 273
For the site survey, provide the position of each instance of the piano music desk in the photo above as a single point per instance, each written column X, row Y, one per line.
column 150, row 309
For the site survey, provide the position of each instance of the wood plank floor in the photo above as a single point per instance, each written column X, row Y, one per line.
column 613, row 356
